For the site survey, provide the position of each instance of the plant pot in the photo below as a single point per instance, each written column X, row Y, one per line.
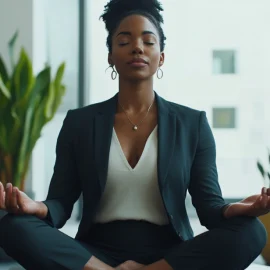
column 265, row 219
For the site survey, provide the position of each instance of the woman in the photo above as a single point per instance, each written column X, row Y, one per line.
column 133, row 158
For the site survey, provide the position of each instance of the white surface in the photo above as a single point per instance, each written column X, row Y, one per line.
column 257, row 267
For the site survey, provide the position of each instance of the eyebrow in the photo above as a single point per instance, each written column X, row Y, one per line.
column 129, row 33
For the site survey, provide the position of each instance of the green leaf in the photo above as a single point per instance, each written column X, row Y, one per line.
column 38, row 123
column 50, row 102
column 21, row 84
column 59, row 96
column 41, row 87
column 268, row 174
column 4, row 89
column 23, row 77
column 5, row 98
column 261, row 169
column 25, row 141
column 55, row 94
column 37, row 93
column 3, row 71
column 3, row 138
column 24, row 102
column 15, row 131
column 11, row 46
column 33, row 122
column 59, row 75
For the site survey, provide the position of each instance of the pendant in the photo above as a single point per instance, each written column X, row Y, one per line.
column 135, row 128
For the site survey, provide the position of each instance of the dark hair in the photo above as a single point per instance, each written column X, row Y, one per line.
column 116, row 10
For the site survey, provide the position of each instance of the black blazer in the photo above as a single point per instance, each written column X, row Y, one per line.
column 186, row 161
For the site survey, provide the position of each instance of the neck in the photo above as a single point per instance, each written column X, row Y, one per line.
column 136, row 97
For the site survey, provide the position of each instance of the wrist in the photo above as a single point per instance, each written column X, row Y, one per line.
column 42, row 210
column 235, row 209
column 227, row 212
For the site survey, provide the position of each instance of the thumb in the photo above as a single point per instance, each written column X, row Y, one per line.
column 19, row 200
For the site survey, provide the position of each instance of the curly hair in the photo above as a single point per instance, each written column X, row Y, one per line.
column 116, row 10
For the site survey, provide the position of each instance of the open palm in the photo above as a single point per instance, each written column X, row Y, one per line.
column 257, row 205
column 15, row 201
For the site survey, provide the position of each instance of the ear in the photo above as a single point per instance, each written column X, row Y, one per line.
column 110, row 61
column 161, row 60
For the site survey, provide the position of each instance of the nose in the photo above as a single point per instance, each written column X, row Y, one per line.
column 137, row 48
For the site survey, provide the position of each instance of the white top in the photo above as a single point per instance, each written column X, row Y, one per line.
column 132, row 193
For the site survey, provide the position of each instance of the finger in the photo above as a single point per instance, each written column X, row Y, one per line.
column 264, row 200
column 264, row 190
column 268, row 203
column 14, row 204
column 19, row 201
column 8, row 196
column 11, row 201
column 2, row 197
column 260, row 202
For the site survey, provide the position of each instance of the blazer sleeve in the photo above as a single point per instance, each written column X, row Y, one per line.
column 204, row 187
column 64, row 189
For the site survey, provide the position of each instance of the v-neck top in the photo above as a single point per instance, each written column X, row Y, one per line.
column 132, row 193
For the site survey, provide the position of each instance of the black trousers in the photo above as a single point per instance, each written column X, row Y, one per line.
column 36, row 245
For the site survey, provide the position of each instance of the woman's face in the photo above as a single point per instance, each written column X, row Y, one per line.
column 136, row 49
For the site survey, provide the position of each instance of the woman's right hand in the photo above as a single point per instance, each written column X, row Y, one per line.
column 15, row 201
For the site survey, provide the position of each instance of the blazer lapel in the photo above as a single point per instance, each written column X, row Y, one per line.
column 104, row 122
column 166, row 138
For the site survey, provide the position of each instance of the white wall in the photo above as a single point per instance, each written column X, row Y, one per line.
column 56, row 29
column 15, row 15
column 101, row 85
column 195, row 28
column 56, row 40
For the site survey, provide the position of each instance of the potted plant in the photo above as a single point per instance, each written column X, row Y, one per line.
column 266, row 218
column 27, row 103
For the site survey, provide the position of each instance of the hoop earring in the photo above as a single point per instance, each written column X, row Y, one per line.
column 114, row 73
column 160, row 73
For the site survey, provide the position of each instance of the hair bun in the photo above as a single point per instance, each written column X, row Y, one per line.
column 117, row 7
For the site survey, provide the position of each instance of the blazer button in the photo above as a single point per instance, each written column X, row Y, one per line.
column 171, row 216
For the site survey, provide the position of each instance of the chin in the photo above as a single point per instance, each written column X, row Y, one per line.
column 138, row 77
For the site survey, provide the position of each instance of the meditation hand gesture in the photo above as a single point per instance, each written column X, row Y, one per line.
column 15, row 201
column 258, row 205
column 255, row 205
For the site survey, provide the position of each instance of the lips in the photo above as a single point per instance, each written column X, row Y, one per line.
column 138, row 61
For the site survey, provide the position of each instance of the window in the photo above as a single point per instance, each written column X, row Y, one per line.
column 224, row 118
column 224, row 62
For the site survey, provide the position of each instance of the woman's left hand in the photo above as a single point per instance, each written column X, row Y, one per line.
column 257, row 205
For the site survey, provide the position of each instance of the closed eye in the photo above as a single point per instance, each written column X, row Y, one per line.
column 147, row 43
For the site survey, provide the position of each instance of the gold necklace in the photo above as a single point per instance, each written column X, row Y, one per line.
column 135, row 127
